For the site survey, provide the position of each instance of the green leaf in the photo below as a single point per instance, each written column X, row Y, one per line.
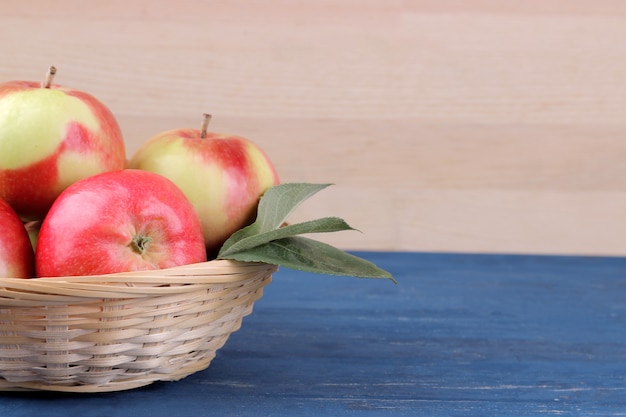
column 275, row 206
column 323, row 225
column 267, row 240
column 309, row 255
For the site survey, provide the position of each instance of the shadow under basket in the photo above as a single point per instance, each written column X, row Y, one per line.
column 121, row 331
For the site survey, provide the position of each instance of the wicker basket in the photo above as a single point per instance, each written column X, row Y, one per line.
column 121, row 331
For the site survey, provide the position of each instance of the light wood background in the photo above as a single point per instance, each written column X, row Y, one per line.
column 473, row 126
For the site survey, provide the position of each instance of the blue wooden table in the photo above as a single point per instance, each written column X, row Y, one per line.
column 460, row 335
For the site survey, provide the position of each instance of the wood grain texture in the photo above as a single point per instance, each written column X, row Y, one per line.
column 445, row 125
column 460, row 335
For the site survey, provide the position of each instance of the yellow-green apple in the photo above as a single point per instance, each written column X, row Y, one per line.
column 118, row 221
column 50, row 137
column 223, row 176
column 16, row 253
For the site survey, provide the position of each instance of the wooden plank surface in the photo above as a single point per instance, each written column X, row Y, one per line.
column 479, row 126
column 460, row 335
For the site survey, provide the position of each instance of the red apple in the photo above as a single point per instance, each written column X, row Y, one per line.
column 222, row 175
column 50, row 137
column 16, row 253
column 116, row 222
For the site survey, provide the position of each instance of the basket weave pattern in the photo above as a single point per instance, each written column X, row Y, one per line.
column 122, row 331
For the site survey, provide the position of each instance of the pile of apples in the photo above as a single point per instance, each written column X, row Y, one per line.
column 72, row 203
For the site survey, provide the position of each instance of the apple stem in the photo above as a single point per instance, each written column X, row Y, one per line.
column 49, row 77
column 140, row 243
column 205, row 125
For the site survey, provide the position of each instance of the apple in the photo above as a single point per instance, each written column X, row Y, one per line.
column 16, row 252
column 50, row 137
column 118, row 221
column 223, row 176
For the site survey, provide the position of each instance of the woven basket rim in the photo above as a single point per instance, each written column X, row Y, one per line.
column 135, row 284
column 225, row 270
